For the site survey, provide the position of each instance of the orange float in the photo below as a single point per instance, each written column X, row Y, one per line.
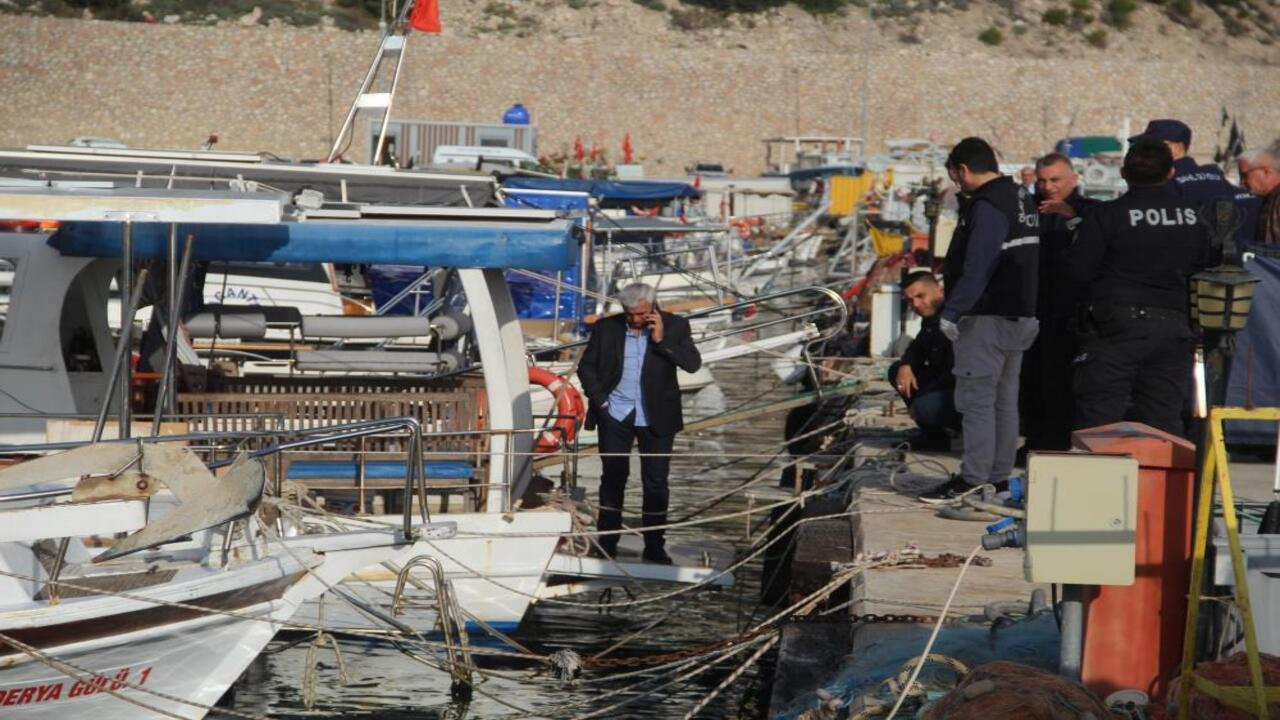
column 569, row 407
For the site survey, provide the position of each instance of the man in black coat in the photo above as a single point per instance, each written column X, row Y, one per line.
column 628, row 373
column 1046, row 401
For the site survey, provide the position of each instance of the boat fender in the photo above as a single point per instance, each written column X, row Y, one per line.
column 451, row 326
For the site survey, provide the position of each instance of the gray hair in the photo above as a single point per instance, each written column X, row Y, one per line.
column 636, row 293
column 1269, row 154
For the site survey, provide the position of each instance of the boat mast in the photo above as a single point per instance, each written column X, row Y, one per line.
column 394, row 38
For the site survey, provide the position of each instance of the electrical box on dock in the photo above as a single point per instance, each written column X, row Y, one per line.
column 1082, row 518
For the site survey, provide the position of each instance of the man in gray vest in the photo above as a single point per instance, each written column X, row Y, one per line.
column 991, row 274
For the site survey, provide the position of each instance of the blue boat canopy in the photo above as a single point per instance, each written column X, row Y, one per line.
column 609, row 190
column 532, row 246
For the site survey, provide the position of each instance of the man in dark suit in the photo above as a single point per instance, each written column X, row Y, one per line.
column 628, row 373
column 1045, row 399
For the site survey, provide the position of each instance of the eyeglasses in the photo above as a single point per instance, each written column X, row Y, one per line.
column 1245, row 173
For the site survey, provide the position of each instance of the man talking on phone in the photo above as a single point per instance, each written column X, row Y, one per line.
column 628, row 374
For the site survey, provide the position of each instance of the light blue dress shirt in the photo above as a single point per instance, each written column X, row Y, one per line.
column 626, row 397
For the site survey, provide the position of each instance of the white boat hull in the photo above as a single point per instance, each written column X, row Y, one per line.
column 196, row 660
column 161, row 647
column 495, row 565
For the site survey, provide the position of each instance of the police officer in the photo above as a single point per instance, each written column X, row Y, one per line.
column 1200, row 184
column 990, row 275
column 1046, row 399
column 1136, row 254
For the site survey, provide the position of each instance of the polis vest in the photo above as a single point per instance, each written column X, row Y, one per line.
column 1012, row 289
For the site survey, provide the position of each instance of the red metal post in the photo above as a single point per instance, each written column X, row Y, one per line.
column 1133, row 633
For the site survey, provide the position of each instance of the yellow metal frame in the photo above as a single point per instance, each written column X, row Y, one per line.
column 1255, row 696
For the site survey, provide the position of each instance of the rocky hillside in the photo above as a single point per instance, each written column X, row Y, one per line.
column 1220, row 30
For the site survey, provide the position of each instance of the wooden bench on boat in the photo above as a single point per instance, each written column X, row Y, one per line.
column 454, row 464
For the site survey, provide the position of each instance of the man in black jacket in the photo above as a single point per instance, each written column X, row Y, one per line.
column 628, row 373
column 923, row 376
column 1136, row 253
column 1045, row 401
column 990, row 274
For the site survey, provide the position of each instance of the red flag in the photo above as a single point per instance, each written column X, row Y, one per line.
column 626, row 149
column 595, row 151
column 578, row 152
column 425, row 16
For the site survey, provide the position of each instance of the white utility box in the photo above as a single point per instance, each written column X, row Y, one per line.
column 1082, row 518
column 886, row 319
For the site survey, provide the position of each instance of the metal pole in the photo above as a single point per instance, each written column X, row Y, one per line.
column 348, row 123
column 866, row 73
column 168, row 396
column 122, row 351
column 172, row 268
column 126, row 324
column 555, row 315
column 175, row 304
column 386, row 116
column 584, row 271
column 1071, row 651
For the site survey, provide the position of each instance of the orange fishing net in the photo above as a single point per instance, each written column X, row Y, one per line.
column 1000, row 690
column 1232, row 672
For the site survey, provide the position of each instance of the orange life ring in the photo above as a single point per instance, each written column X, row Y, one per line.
column 569, row 407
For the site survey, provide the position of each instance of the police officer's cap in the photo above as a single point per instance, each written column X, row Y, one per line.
column 1166, row 131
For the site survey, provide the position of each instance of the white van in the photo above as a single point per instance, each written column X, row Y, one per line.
column 471, row 155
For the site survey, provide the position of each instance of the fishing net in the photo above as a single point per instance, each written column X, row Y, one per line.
column 1232, row 672
column 1009, row 690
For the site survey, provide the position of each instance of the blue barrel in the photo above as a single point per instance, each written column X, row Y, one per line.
column 516, row 115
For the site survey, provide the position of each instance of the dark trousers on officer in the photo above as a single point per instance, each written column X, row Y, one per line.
column 934, row 412
column 1045, row 400
column 1134, row 364
column 616, row 439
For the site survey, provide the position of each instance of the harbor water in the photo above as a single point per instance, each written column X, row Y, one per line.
column 387, row 685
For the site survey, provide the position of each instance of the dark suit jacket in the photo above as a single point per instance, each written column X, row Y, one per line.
column 601, row 370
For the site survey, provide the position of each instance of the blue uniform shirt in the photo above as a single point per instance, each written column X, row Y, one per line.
column 1203, row 184
column 626, row 397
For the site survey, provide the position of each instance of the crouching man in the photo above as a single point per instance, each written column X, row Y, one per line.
column 923, row 376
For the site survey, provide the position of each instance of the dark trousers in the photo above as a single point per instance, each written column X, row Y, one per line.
column 934, row 411
column 1046, row 401
column 616, row 439
column 1135, row 369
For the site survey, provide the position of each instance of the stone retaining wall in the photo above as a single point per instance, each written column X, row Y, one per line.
column 284, row 90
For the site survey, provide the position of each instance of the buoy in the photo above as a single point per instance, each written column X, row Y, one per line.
column 569, row 407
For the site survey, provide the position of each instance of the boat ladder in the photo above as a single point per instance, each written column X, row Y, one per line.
column 452, row 626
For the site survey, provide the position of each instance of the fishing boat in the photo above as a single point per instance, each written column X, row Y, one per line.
column 118, row 630
column 468, row 389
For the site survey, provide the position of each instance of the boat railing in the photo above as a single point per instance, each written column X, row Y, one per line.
column 837, row 306
column 278, row 443
column 366, row 470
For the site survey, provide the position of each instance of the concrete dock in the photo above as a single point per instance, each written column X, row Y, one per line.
column 889, row 519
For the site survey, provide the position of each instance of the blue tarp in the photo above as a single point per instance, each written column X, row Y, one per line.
column 610, row 190
column 386, row 281
column 559, row 200
column 1254, row 380
column 536, row 300
column 551, row 246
